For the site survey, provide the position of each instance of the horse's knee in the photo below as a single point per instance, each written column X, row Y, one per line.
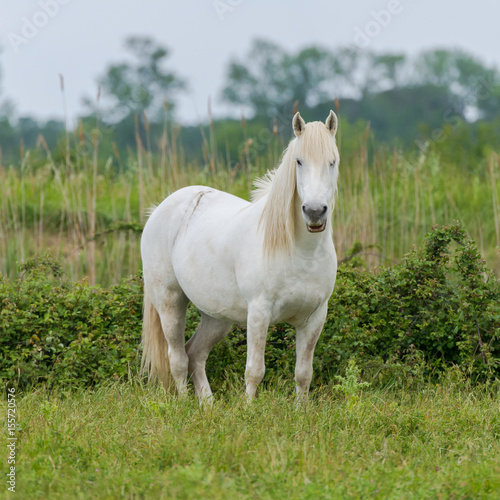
column 255, row 374
column 303, row 376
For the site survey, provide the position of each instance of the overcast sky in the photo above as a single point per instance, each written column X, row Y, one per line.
column 78, row 38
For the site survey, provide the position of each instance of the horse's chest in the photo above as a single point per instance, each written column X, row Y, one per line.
column 301, row 294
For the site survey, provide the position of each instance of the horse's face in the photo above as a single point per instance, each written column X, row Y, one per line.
column 317, row 160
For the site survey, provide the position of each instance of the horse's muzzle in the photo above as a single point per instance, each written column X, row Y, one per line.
column 315, row 217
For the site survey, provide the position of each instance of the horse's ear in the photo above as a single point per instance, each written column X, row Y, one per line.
column 298, row 124
column 331, row 122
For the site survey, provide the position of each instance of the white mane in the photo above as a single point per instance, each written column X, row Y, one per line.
column 262, row 185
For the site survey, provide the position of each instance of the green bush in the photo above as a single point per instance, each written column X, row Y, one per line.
column 438, row 308
column 62, row 332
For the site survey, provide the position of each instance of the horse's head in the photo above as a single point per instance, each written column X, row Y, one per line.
column 317, row 161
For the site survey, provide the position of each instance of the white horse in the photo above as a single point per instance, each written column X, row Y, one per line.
column 258, row 263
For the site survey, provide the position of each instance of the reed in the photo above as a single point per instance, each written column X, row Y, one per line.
column 78, row 208
column 494, row 163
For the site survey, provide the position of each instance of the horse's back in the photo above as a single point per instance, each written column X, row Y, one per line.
column 189, row 241
column 184, row 210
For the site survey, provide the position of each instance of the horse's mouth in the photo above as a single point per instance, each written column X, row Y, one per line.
column 316, row 229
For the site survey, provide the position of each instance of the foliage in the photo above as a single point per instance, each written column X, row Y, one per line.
column 448, row 97
column 64, row 332
column 437, row 308
column 477, row 85
column 350, row 385
column 271, row 79
column 446, row 82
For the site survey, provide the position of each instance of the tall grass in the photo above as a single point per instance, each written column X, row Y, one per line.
column 71, row 206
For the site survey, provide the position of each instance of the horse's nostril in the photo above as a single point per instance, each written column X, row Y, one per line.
column 325, row 208
column 304, row 208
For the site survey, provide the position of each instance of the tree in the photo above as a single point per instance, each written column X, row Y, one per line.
column 310, row 73
column 387, row 71
column 436, row 67
column 477, row 85
column 6, row 106
column 273, row 79
column 130, row 88
column 260, row 84
column 7, row 134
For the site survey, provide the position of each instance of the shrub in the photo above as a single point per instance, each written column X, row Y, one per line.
column 435, row 309
column 438, row 308
column 67, row 333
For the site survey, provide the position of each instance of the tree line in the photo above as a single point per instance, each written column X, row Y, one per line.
column 406, row 100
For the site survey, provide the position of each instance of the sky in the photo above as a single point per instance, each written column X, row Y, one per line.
column 41, row 39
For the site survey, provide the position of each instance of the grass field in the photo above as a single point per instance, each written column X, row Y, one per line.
column 125, row 440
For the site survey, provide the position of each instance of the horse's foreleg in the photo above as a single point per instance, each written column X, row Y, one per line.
column 257, row 325
column 198, row 348
column 307, row 337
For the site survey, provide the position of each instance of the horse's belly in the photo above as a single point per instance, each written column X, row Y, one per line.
column 215, row 295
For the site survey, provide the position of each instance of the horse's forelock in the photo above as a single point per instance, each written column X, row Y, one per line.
column 316, row 144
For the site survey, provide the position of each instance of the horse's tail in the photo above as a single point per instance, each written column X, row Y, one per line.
column 154, row 347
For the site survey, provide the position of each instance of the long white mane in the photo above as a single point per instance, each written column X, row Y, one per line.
column 278, row 217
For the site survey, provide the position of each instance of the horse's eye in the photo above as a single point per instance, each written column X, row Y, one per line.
column 332, row 163
column 299, row 163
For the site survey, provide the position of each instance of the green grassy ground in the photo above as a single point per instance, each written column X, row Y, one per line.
column 129, row 441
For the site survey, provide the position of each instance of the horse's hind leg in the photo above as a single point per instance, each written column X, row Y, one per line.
column 172, row 312
column 209, row 332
